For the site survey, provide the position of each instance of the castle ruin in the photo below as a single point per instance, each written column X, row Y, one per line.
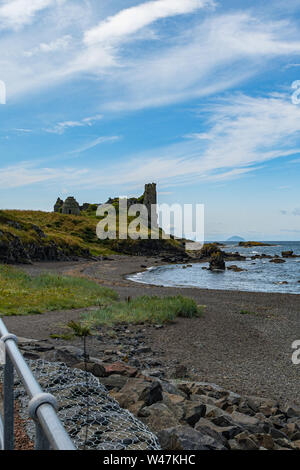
column 71, row 207
column 150, row 201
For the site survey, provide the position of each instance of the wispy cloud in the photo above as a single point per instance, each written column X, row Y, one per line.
column 17, row 13
column 94, row 143
column 61, row 127
column 243, row 134
column 131, row 20
column 214, row 54
column 58, row 44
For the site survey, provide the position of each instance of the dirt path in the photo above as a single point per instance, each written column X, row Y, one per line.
column 250, row 354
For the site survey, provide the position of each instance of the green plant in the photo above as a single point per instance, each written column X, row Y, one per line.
column 145, row 309
column 79, row 329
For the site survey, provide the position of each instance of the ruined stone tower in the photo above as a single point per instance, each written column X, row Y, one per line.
column 150, row 201
column 58, row 205
column 71, row 206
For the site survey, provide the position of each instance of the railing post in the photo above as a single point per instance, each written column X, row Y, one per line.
column 41, row 441
column 8, row 404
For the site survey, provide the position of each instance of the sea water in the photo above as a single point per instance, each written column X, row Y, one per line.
column 259, row 276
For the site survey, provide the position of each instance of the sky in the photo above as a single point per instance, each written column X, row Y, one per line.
column 99, row 97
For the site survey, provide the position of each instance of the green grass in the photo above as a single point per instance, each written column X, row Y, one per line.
column 21, row 294
column 145, row 309
column 72, row 233
column 247, row 312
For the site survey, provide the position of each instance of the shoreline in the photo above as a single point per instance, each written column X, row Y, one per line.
column 247, row 353
column 125, row 278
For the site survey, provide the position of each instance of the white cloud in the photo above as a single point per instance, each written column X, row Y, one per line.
column 61, row 127
column 213, row 56
column 131, row 20
column 25, row 174
column 58, row 44
column 243, row 134
column 100, row 140
column 16, row 13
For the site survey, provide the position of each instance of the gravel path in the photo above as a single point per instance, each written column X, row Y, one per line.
column 249, row 354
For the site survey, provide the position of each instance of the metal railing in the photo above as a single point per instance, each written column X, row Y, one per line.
column 50, row 433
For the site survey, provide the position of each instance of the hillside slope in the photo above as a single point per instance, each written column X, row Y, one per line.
column 27, row 236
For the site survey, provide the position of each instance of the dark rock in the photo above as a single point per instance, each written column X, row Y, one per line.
column 70, row 355
column 287, row 254
column 235, row 268
column 181, row 371
column 158, row 416
column 151, row 394
column 217, row 262
column 96, row 369
column 226, row 433
column 193, row 412
column 187, row 438
column 291, row 411
column 116, row 382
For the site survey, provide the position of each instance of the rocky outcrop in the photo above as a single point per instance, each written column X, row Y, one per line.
column 14, row 250
column 235, row 268
column 166, row 249
column 251, row 244
column 287, row 254
column 217, row 262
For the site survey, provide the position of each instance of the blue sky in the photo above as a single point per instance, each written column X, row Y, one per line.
column 196, row 95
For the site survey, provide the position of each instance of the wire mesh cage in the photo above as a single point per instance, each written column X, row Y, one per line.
column 93, row 419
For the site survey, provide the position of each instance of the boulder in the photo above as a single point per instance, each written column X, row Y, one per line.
column 217, row 262
column 158, row 417
column 114, row 382
column 235, row 268
column 151, row 393
column 243, row 419
column 193, row 412
column 139, row 389
column 225, row 432
column 96, row 369
column 287, row 254
column 187, row 438
column 121, row 369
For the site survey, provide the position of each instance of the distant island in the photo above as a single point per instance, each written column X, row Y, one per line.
column 235, row 239
column 250, row 244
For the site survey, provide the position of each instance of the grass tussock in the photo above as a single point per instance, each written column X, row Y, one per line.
column 21, row 294
column 145, row 309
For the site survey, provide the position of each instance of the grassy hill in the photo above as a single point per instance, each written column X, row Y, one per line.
column 27, row 236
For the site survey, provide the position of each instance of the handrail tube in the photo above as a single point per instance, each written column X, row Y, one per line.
column 45, row 413
column 53, row 428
